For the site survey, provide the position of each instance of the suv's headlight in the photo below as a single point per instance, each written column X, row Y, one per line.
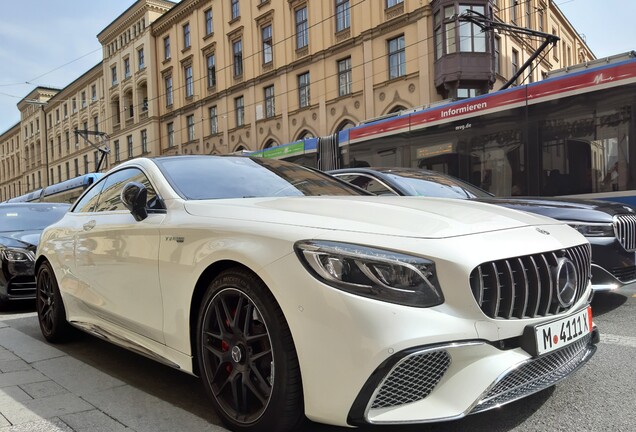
column 593, row 229
column 17, row 255
column 375, row 273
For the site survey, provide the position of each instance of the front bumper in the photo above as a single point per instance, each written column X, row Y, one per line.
column 343, row 341
column 603, row 280
column 17, row 281
column 612, row 266
column 432, row 384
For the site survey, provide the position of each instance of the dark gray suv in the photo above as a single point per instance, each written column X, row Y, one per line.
column 609, row 227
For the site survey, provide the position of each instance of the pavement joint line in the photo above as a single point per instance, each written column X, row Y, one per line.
column 67, row 425
column 115, row 419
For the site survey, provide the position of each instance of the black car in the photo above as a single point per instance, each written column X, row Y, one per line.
column 609, row 227
column 20, row 227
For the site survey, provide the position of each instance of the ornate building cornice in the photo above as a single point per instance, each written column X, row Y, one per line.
column 132, row 15
column 174, row 16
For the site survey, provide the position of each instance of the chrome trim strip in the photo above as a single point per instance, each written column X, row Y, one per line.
column 396, row 365
column 498, row 287
column 589, row 352
column 550, row 287
column 104, row 334
column 511, row 303
column 480, row 300
column 526, row 284
column 539, row 288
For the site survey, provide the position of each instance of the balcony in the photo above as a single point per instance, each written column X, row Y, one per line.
column 475, row 69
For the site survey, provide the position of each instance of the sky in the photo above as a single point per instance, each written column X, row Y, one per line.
column 51, row 43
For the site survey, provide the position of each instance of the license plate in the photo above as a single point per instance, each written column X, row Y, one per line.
column 557, row 334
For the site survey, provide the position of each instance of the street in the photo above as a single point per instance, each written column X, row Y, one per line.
column 90, row 385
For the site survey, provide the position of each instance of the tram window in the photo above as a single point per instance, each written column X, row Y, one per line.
column 585, row 146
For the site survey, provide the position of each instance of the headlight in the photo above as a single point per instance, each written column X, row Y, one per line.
column 375, row 273
column 17, row 255
column 594, row 229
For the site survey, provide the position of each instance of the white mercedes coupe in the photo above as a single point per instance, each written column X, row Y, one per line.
column 293, row 295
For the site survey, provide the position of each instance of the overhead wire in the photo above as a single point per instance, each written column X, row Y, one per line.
column 259, row 52
column 229, row 111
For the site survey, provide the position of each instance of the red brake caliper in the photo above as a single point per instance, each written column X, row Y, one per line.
column 226, row 346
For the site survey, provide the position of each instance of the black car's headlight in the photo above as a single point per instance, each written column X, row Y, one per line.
column 17, row 255
column 593, row 229
column 375, row 273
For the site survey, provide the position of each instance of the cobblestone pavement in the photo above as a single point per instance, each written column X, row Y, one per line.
column 44, row 389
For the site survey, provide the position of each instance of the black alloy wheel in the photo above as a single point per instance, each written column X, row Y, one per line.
column 49, row 305
column 246, row 356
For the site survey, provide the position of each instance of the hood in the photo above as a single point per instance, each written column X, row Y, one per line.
column 22, row 239
column 569, row 209
column 394, row 216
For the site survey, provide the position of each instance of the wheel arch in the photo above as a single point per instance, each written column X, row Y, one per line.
column 39, row 262
column 208, row 275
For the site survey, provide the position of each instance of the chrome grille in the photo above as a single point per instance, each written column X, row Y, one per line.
column 537, row 374
column 412, row 379
column 525, row 286
column 625, row 229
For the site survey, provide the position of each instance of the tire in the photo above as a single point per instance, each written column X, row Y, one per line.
column 246, row 355
column 50, row 307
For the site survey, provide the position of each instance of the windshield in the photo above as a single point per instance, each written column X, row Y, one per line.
column 430, row 184
column 30, row 216
column 216, row 177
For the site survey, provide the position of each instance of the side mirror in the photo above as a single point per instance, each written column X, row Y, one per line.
column 135, row 196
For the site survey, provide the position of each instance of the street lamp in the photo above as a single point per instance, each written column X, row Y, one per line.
column 46, row 137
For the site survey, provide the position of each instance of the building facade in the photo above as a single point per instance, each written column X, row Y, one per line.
column 220, row 76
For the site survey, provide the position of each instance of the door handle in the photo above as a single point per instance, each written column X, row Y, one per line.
column 89, row 225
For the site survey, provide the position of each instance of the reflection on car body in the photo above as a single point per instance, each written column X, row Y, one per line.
column 447, row 296
column 609, row 227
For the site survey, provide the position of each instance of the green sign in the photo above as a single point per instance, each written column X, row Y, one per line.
column 283, row 151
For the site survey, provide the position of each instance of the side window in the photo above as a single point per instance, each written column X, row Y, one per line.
column 367, row 183
column 89, row 200
column 110, row 199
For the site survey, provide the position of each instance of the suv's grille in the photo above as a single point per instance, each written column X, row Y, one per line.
column 537, row 374
column 412, row 379
column 526, row 286
column 625, row 228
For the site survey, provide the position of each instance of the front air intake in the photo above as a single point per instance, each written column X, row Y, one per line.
column 411, row 379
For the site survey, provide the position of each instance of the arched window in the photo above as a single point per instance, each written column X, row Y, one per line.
column 347, row 124
column 269, row 144
column 396, row 109
column 305, row 134
column 142, row 97
column 116, row 107
column 128, row 104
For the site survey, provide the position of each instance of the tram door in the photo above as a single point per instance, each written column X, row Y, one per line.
column 580, row 167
